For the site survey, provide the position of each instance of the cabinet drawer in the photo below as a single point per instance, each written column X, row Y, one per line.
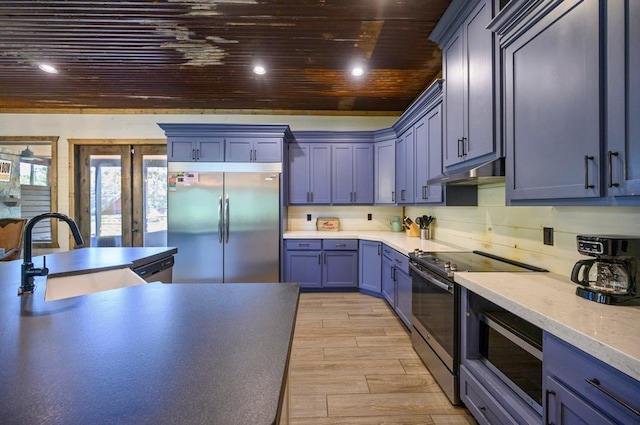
column 303, row 244
column 340, row 244
column 603, row 386
column 399, row 260
column 480, row 403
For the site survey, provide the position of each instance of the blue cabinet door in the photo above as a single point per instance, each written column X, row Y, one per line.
column 210, row 149
column 404, row 168
column 267, row 150
column 304, row 267
column 453, row 65
column 388, row 281
column 342, row 177
column 403, row 296
column 552, row 123
column 362, row 174
column 319, row 173
column 180, row 149
column 299, row 172
column 340, row 269
column 239, row 150
column 468, row 70
column 428, row 156
column 623, row 98
column 385, row 172
column 566, row 408
column 370, row 266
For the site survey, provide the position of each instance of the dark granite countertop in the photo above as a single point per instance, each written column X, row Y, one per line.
column 89, row 260
column 147, row 354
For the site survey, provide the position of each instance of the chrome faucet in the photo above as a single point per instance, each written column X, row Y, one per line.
column 28, row 271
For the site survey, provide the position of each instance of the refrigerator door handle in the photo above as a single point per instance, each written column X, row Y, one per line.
column 220, row 219
column 226, row 218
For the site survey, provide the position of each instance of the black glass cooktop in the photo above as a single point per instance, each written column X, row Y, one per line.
column 470, row 261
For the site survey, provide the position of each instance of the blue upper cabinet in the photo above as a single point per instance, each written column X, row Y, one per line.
column 428, row 156
column 570, row 128
column 352, row 180
column 552, row 105
column 405, row 178
column 470, row 92
column 186, row 149
column 385, row 171
column 309, row 173
column 622, row 156
column 254, row 150
column 225, row 142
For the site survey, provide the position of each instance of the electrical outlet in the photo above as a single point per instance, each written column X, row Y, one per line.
column 369, row 216
column 547, row 235
column 308, row 217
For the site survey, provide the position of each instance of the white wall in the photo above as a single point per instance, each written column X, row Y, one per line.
column 144, row 126
column 516, row 232
column 351, row 217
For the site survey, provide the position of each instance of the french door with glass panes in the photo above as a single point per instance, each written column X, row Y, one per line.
column 122, row 194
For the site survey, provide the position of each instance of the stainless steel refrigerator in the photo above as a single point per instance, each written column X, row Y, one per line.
column 224, row 218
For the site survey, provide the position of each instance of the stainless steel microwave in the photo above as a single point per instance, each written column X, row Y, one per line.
column 511, row 348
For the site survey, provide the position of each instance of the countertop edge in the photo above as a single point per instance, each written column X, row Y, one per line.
column 614, row 356
column 396, row 240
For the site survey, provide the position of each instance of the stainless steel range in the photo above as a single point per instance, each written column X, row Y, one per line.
column 436, row 304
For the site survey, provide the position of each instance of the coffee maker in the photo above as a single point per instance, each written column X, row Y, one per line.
column 611, row 276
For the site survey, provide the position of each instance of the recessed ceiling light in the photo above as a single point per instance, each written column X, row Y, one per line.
column 357, row 71
column 259, row 69
column 47, row 68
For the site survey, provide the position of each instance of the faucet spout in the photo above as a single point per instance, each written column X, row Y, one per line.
column 28, row 271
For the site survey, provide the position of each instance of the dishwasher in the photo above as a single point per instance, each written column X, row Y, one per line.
column 157, row 271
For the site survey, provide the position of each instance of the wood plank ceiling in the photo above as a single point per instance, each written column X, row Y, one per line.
column 199, row 54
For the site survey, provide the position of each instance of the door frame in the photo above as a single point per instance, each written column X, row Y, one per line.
column 75, row 185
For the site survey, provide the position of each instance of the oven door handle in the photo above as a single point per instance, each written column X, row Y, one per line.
column 431, row 279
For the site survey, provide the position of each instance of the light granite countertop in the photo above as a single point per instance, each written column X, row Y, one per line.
column 609, row 333
column 396, row 240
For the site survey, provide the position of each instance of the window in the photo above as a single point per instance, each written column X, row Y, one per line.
column 33, row 185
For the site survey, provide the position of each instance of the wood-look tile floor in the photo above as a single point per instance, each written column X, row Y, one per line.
column 352, row 362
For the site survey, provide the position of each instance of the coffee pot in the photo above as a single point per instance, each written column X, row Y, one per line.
column 610, row 277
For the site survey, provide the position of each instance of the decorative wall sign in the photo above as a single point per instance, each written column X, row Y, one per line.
column 5, row 171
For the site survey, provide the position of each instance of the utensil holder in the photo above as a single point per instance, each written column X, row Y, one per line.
column 425, row 233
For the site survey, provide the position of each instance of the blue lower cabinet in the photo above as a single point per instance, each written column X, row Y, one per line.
column 396, row 283
column 388, row 281
column 403, row 296
column 304, row 267
column 340, row 269
column 580, row 389
column 370, row 266
column 317, row 264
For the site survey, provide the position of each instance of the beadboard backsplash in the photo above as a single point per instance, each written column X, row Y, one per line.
column 516, row 232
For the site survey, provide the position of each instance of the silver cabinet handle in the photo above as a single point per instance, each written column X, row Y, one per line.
column 587, row 158
column 402, row 194
column 341, row 244
column 227, row 219
column 596, row 383
column 611, row 155
column 459, row 151
column 220, row 219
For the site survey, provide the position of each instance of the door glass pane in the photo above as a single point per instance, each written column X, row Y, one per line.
column 155, row 200
column 106, row 197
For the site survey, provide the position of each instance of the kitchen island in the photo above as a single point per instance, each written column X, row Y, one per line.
column 146, row 354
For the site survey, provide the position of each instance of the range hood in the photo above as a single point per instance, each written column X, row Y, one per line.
column 489, row 172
